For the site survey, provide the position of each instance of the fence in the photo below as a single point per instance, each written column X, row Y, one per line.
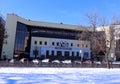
column 49, row 64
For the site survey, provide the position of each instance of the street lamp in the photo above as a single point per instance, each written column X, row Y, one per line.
column 81, row 55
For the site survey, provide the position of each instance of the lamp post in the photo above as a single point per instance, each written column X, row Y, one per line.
column 81, row 55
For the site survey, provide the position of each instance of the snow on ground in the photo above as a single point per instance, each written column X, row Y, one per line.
column 36, row 75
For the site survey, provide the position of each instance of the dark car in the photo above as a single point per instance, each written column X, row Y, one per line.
column 24, row 55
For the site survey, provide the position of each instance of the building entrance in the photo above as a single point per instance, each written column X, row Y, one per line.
column 59, row 55
column 66, row 54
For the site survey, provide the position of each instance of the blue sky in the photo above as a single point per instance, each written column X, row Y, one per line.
column 66, row 11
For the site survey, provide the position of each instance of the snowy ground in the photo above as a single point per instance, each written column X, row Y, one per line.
column 59, row 76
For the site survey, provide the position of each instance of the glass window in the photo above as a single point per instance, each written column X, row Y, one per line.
column 40, row 42
column 71, row 44
column 52, row 53
column 22, row 39
column 72, row 53
column 47, row 52
column 45, row 42
column 77, row 54
column 86, row 55
column 57, row 43
column 77, row 45
column 53, row 43
column 66, row 53
column 35, row 42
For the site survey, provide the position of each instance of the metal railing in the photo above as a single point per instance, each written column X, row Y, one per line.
column 50, row 64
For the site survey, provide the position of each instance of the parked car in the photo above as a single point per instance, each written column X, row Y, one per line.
column 24, row 55
column 87, row 62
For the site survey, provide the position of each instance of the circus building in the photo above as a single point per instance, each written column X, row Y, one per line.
column 43, row 39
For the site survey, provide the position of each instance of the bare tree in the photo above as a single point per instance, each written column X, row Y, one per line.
column 108, row 44
column 91, row 33
column 103, row 38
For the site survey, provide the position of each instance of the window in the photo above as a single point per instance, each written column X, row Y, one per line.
column 40, row 42
column 47, row 53
column 53, row 43
column 22, row 38
column 45, row 42
column 77, row 54
column 5, row 41
column 72, row 53
column 86, row 46
column 35, row 42
column 66, row 53
column 86, row 55
column 57, row 43
column 52, row 53
column 71, row 44
column 77, row 45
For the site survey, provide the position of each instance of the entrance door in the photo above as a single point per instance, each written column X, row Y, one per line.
column 67, row 54
column 59, row 55
column 47, row 53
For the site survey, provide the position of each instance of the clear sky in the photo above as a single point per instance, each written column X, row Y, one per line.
column 66, row 11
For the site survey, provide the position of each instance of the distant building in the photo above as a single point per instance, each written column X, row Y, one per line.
column 43, row 39
column 2, row 28
column 112, row 38
column 117, row 42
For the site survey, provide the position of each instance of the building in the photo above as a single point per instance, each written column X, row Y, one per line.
column 117, row 42
column 43, row 39
column 110, row 39
column 2, row 28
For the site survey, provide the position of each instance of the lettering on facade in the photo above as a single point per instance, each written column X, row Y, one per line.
column 63, row 45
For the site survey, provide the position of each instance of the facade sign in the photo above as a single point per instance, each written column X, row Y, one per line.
column 63, row 45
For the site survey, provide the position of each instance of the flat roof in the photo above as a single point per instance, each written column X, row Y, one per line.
column 48, row 24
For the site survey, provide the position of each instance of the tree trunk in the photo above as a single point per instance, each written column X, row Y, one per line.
column 108, row 63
